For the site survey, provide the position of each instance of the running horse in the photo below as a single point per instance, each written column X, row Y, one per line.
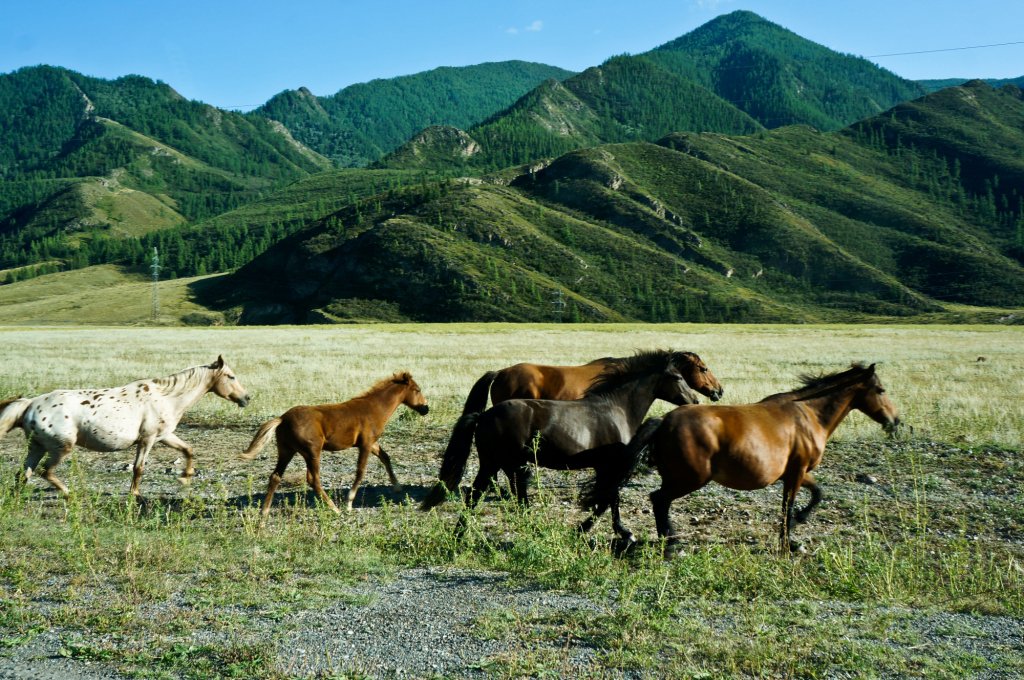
column 143, row 413
column 586, row 433
column 567, row 383
column 750, row 446
column 358, row 422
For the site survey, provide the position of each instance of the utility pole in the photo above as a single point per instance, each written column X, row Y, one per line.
column 156, row 280
column 558, row 303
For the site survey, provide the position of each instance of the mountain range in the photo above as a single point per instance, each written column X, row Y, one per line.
column 736, row 173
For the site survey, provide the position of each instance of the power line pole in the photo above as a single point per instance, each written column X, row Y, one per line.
column 558, row 302
column 156, row 280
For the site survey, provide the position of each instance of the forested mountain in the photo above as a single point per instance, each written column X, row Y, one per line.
column 84, row 156
column 780, row 78
column 735, row 74
column 941, row 83
column 626, row 98
column 655, row 187
column 785, row 225
column 362, row 122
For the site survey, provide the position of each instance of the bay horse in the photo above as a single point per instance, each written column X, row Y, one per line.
column 143, row 413
column 358, row 422
column 750, row 446
column 586, row 433
column 567, row 383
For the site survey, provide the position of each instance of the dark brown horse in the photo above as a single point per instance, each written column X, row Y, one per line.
column 586, row 433
column 751, row 446
column 309, row 430
column 566, row 383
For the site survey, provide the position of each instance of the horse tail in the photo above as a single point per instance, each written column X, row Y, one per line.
column 604, row 488
column 453, row 464
column 476, row 401
column 11, row 411
column 260, row 440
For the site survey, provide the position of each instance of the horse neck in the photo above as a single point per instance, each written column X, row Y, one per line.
column 386, row 400
column 832, row 408
column 636, row 398
column 186, row 388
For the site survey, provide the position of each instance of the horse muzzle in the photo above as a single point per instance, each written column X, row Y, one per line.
column 422, row 409
column 715, row 395
column 242, row 401
column 892, row 427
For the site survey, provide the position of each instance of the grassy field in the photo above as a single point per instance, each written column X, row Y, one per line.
column 918, row 573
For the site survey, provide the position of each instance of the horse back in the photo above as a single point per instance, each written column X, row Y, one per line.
column 536, row 381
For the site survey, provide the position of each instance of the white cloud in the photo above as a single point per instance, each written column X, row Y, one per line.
column 512, row 30
column 535, row 26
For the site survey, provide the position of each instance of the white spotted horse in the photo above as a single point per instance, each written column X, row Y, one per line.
column 141, row 413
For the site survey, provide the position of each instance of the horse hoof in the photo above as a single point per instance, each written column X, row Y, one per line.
column 797, row 548
column 623, row 545
column 185, row 480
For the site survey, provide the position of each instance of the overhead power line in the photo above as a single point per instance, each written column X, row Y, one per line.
column 944, row 49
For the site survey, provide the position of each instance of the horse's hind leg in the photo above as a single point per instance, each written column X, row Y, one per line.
column 142, row 449
column 284, row 456
column 172, row 440
column 519, row 480
column 811, row 485
column 379, row 451
column 36, row 451
column 52, row 461
column 312, row 459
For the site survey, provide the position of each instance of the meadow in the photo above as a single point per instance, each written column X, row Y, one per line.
column 914, row 563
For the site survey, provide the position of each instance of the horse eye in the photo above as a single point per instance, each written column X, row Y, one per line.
column 703, row 369
column 231, row 377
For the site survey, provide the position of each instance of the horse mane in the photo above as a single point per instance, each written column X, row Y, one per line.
column 814, row 385
column 181, row 381
column 399, row 377
column 628, row 369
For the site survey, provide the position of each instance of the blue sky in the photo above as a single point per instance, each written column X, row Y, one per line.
column 238, row 54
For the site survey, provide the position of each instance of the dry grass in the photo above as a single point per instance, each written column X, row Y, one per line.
column 932, row 373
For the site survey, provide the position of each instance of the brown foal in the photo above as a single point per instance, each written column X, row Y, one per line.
column 358, row 422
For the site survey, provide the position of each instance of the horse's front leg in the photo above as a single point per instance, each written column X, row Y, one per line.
column 790, row 487
column 142, row 449
column 174, row 442
column 364, row 457
column 379, row 451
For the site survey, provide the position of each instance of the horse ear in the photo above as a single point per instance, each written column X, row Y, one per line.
column 871, row 368
column 403, row 378
column 219, row 363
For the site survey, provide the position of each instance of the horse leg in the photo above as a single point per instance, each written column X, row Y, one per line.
column 790, row 487
column 141, row 451
column 379, row 451
column 312, row 459
column 364, row 457
column 519, row 480
column 52, row 461
column 36, row 451
column 284, row 456
column 811, row 485
column 485, row 477
column 660, row 502
column 177, row 444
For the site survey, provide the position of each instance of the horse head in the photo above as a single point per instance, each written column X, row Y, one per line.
column 414, row 398
column 674, row 388
column 698, row 375
column 872, row 400
column 226, row 385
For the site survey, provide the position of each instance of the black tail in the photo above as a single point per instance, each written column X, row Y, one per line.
column 453, row 465
column 604, row 488
column 476, row 401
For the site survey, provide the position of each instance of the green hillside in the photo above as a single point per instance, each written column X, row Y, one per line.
column 942, row 83
column 362, row 122
column 735, row 74
column 780, row 78
column 793, row 224
column 84, row 158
